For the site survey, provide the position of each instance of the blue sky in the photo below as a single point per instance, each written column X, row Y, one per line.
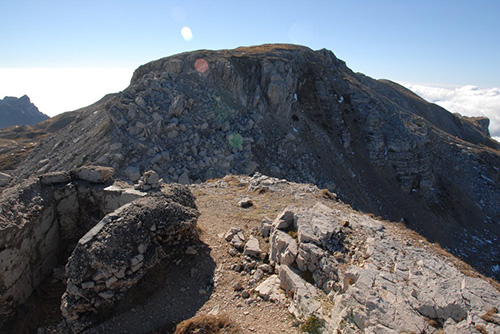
column 439, row 43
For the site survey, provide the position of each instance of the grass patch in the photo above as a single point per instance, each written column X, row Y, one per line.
column 293, row 233
column 480, row 329
column 326, row 194
column 489, row 316
column 311, row 325
column 208, row 324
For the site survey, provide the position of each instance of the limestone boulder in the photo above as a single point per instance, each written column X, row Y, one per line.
column 94, row 174
column 252, row 247
column 270, row 289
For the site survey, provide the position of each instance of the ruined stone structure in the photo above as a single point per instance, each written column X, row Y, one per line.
column 41, row 221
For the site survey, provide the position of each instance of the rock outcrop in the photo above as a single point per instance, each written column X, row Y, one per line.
column 116, row 253
column 288, row 111
column 42, row 218
column 349, row 272
column 19, row 111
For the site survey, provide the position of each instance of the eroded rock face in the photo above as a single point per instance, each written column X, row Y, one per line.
column 114, row 255
column 375, row 281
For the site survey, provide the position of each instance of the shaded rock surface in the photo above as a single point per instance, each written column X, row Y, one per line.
column 19, row 111
column 288, row 111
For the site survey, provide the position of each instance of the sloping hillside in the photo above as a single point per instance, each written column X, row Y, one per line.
column 303, row 115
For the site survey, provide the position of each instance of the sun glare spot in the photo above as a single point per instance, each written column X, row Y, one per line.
column 187, row 34
column 201, row 65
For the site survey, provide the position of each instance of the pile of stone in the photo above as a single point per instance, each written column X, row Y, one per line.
column 148, row 181
column 114, row 255
column 254, row 262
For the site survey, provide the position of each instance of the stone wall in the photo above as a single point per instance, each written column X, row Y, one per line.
column 114, row 255
column 41, row 220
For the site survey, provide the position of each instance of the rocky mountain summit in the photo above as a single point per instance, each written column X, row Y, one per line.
column 19, row 111
column 245, row 251
column 303, row 115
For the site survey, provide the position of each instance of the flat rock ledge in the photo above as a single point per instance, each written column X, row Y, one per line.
column 351, row 274
column 114, row 255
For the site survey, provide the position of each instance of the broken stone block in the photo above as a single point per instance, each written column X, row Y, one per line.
column 270, row 289
column 284, row 220
column 265, row 227
column 55, row 177
column 94, row 174
column 252, row 247
column 245, row 203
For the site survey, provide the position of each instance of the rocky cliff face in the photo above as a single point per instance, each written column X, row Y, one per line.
column 14, row 111
column 291, row 112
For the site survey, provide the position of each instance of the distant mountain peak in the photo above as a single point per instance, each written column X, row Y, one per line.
column 19, row 111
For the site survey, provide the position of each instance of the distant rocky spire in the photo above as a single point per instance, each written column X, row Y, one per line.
column 19, row 111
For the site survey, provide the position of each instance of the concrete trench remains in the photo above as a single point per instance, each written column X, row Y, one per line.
column 41, row 221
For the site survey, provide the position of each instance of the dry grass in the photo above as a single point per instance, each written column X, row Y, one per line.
column 208, row 324
column 326, row 194
column 480, row 329
column 489, row 316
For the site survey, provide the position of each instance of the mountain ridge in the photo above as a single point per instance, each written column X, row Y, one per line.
column 288, row 111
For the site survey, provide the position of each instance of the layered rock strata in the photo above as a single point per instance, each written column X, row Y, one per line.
column 354, row 276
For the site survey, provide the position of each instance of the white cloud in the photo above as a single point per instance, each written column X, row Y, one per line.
column 56, row 90
column 467, row 101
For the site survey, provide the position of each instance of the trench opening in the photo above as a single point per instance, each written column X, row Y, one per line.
column 70, row 210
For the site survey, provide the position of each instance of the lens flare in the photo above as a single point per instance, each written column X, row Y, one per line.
column 187, row 34
column 201, row 66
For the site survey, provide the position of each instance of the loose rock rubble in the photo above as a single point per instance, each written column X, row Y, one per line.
column 303, row 115
column 319, row 259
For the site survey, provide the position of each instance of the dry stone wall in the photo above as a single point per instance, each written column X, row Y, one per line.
column 114, row 255
column 42, row 218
